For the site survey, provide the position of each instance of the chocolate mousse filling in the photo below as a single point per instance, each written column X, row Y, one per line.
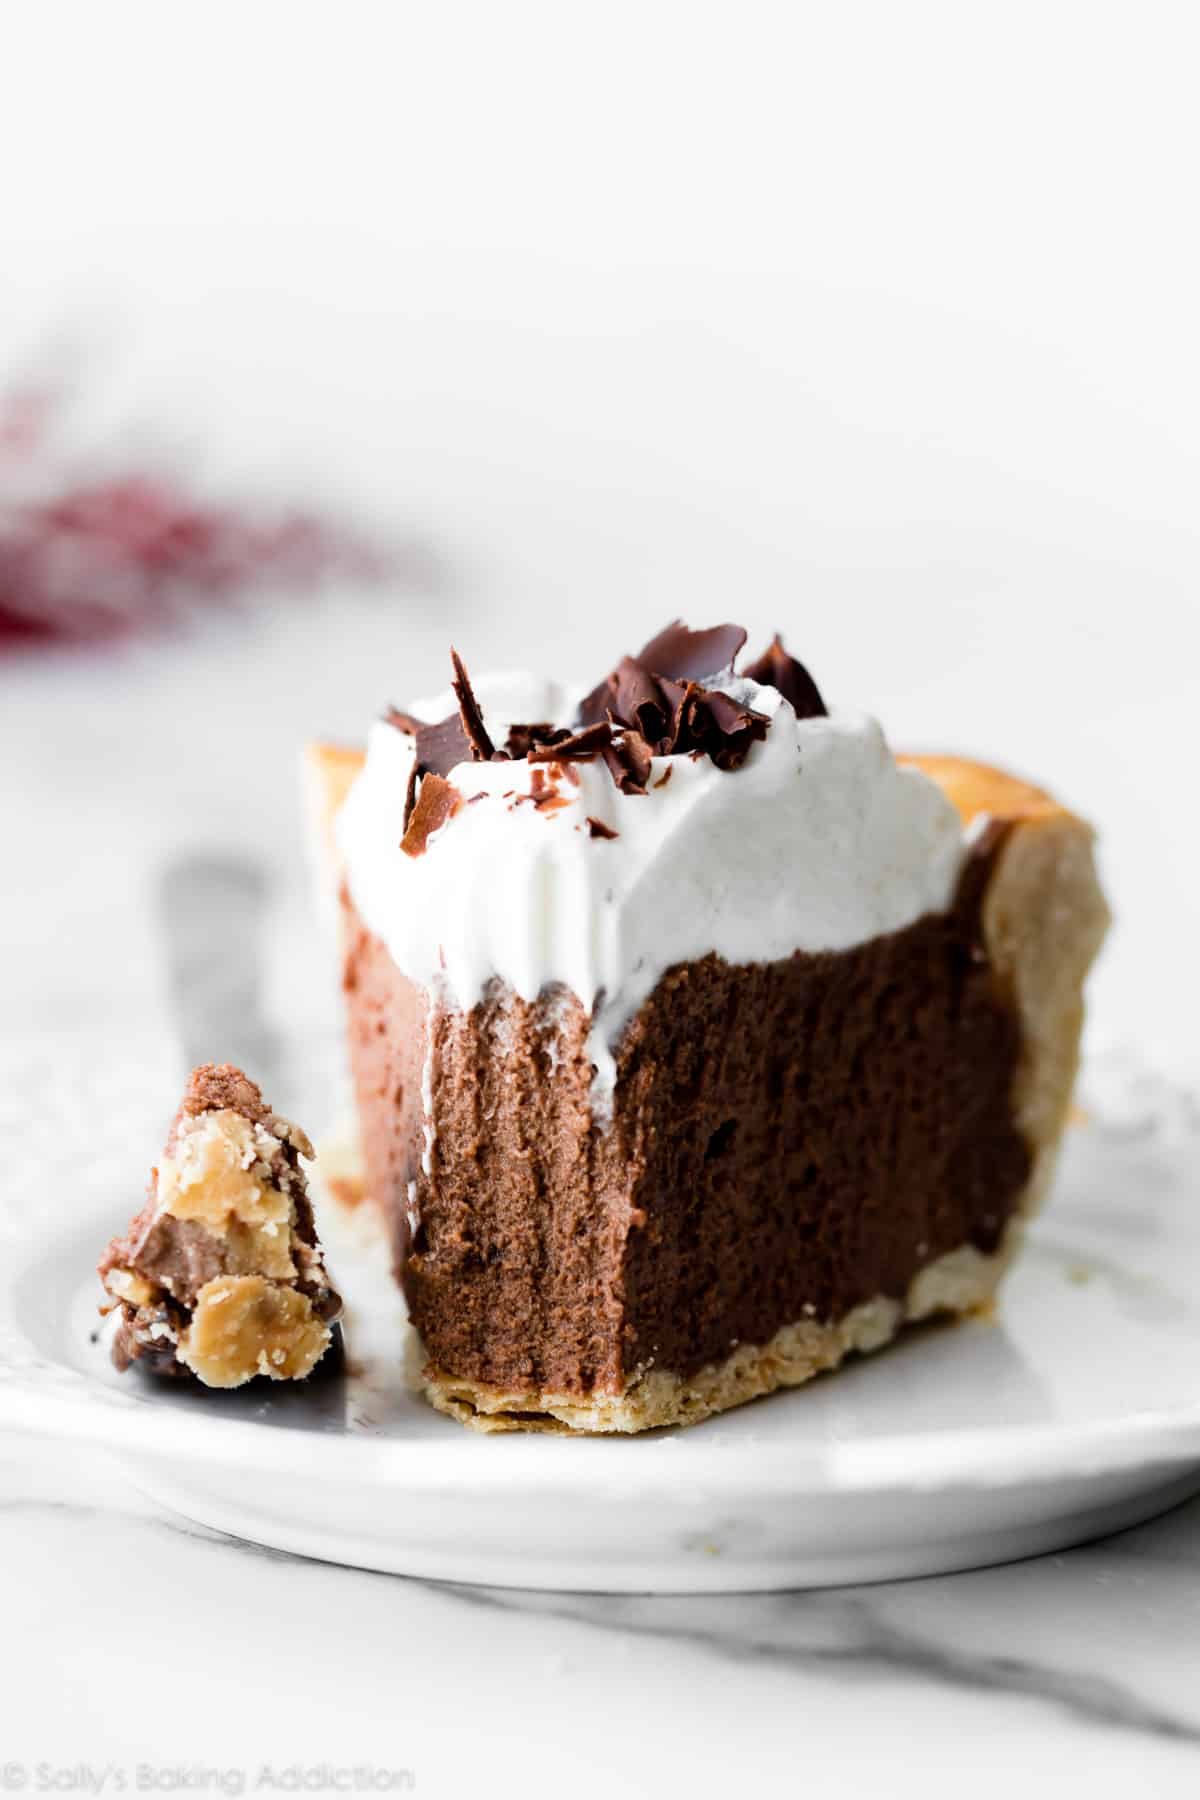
column 789, row 1141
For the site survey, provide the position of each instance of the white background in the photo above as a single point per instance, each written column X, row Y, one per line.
column 876, row 323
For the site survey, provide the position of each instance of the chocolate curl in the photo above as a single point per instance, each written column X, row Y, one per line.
column 628, row 759
column 725, row 729
column 522, row 740
column 410, row 797
column 410, row 725
column 658, row 700
column 641, row 701
column 544, row 790
column 575, row 746
column 439, row 748
column 437, row 802
column 444, row 745
column 685, row 655
column 708, row 722
column 653, row 704
column 482, row 747
column 775, row 668
column 631, row 695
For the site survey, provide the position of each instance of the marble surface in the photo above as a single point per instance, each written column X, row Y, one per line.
column 134, row 1641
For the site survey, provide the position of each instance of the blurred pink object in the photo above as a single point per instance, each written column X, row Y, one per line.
column 131, row 551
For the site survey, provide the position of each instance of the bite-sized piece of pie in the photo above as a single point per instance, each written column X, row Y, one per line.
column 697, row 1041
column 220, row 1276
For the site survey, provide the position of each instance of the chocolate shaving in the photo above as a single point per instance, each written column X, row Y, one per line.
column 628, row 759
column 482, row 747
column 689, row 718
column 642, row 701
column 664, row 713
column 631, row 696
column 445, row 744
column 598, row 829
column 442, row 747
column 721, row 727
column 652, row 704
column 573, row 746
column 775, row 668
column 544, row 790
column 595, row 707
column 686, row 655
column 523, row 739
column 437, row 802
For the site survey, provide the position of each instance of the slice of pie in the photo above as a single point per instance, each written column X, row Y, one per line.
column 220, row 1276
column 697, row 1040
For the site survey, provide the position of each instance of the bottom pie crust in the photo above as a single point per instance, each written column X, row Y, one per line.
column 958, row 1284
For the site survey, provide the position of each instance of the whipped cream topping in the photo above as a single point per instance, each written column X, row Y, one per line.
column 818, row 842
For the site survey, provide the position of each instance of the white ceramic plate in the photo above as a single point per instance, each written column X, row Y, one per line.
column 1076, row 1414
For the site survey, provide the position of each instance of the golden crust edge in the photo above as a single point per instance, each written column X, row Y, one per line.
column 1044, row 919
column 328, row 772
column 975, row 787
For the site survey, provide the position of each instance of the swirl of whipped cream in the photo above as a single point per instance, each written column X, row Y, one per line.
column 818, row 842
